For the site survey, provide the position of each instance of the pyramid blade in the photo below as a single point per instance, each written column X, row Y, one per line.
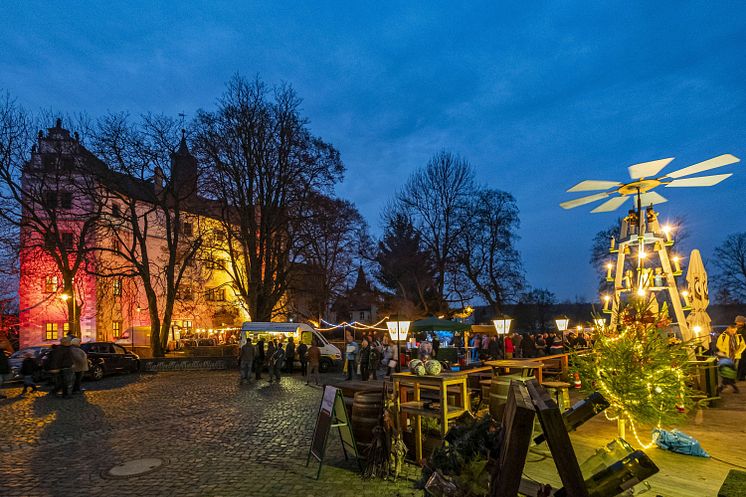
column 590, row 185
column 583, row 200
column 652, row 198
column 648, row 169
column 700, row 181
column 611, row 204
column 715, row 162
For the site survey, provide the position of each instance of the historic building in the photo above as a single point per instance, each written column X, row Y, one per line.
column 60, row 238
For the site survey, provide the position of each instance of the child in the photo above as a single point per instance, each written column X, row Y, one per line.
column 28, row 368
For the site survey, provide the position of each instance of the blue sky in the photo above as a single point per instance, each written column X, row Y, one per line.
column 536, row 98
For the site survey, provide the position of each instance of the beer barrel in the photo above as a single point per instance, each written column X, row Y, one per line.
column 499, row 393
column 367, row 408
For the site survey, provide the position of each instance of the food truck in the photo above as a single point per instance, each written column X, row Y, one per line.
column 301, row 332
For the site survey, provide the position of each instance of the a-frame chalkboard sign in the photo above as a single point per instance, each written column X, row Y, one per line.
column 332, row 414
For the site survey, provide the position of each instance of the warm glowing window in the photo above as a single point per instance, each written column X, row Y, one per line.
column 117, row 287
column 116, row 329
column 50, row 284
column 215, row 295
column 187, row 325
column 51, row 331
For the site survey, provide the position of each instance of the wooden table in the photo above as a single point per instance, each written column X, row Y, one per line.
column 528, row 368
column 405, row 383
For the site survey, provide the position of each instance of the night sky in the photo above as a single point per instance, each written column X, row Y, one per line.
column 536, row 99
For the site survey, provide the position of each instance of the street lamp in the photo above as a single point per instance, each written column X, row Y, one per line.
column 502, row 327
column 65, row 297
column 562, row 323
column 398, row 331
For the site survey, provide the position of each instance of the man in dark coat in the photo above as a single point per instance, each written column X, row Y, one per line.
column 289, row 355
column 302, row 349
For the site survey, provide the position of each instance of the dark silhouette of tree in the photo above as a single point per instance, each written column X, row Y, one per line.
column 331, row 239
column 265, row 168
column 533, row 311
column 730, row 269
column 405, row 269
column 486, row 253
column 435, row 198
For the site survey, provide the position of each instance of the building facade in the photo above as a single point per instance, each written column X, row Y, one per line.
column 75, row 223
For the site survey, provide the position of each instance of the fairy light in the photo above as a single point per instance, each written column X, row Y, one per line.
column 355, row 325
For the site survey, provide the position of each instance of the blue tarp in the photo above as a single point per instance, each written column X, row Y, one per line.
column 679, row 442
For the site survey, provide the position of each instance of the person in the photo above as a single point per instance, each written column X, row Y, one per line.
column 80, row 364
column 740, row 322
column 374, row 362
column 436, row 345
column 314, row 362
column 582, row 343
column 387, row 355
column 259, row 359
column 246, row 360
column 474, row 344
column 730, row 345
column 541, row 345
column 28, row 368
column 494, row 348
column 365, row 360
column 351, row 352
column 425, row 351
column 290, row 355
column 4, row 370
column 517, row 338
column 276, row 363
column 528, row 347
column 556, row 347
column 509, row 348
column 270, row 352
column 302, row 350
column 60, row 364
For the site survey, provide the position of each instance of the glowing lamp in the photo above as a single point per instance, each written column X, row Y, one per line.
column 677, row 264
column 641, row 292
column 607, row 299
column 579, row 328
column 65, row 297
column 609, row 266
column 667, row 231
column 600, row 323
column 502, row 325
column 685, row 295
column 697, row 329
column 398, row 330
column 562, row 323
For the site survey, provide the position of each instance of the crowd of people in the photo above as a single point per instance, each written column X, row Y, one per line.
column 525, row 345
column 369, row 358
column 278, row 357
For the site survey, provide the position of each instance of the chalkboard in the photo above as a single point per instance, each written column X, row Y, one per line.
column 332, row 414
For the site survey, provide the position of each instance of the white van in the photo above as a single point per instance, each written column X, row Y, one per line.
column 301, row 333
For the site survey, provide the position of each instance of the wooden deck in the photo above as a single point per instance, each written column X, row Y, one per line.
column 722, row 434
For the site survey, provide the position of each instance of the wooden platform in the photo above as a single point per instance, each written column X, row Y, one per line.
column 351, row 387
column 722, row 434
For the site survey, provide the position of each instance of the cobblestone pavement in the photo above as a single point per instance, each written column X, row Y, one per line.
column 215, row 436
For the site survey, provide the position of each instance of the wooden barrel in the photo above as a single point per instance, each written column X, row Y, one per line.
column 499, row 393
column 367, row 408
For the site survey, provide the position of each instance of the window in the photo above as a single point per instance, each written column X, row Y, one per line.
column 50, row 284
column 50, row 199
column 51, row 331
column 185, row 293
column 186, row 229
column 117, row 287
column 65, row 327
column 187, row 326
column 116, row 329
column 67, row 240
column 215, row 295
column 362, row 316
column 115, row 211
column 66, row 200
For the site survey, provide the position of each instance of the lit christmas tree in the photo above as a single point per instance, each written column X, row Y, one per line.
column 638, row 368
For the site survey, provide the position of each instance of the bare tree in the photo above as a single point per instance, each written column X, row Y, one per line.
column 265, row 167
column 45, row 198
column 152, row 224
column 331, row 241
column 486, row 254
column 434, row 197
column 730, row 269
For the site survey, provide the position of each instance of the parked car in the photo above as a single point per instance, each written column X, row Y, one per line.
column 38, row 353
column 107, row 358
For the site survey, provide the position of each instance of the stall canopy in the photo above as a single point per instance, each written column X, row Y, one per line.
column 434, row 324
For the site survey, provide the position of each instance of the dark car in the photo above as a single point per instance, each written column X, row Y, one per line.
column 107, row 358
column 38, row 353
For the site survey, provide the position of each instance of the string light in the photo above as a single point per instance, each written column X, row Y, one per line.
column 355, row 325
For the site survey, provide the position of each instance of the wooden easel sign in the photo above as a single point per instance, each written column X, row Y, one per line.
column 332, row 414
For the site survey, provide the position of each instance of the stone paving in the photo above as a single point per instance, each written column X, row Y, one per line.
column 215, row 437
